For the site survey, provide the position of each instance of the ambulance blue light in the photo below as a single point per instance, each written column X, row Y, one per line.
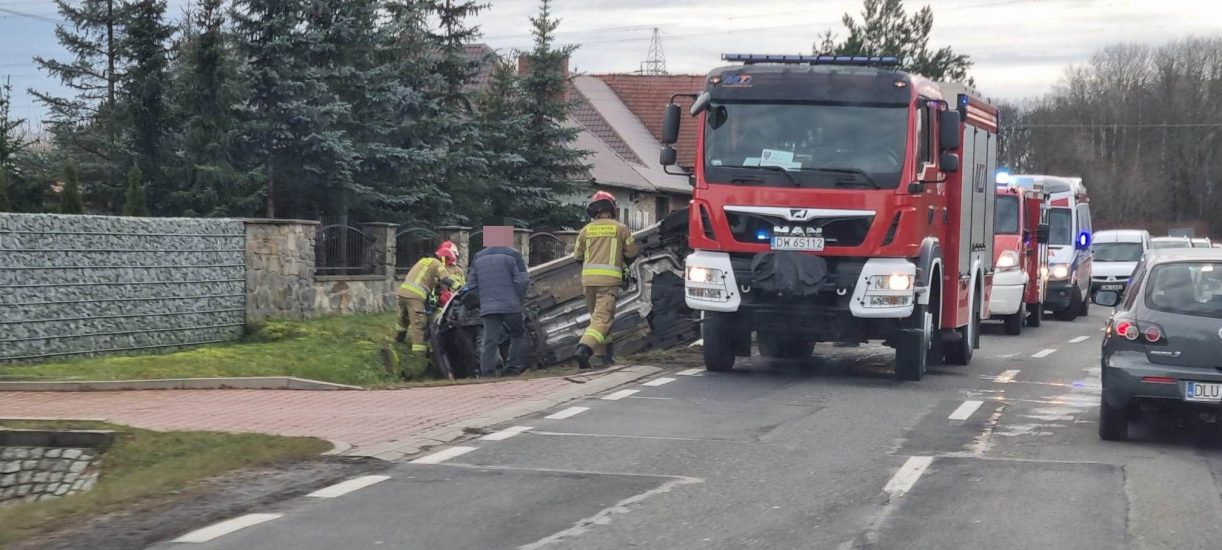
column 1084, row 240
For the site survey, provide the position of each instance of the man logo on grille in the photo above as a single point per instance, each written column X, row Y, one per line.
column 798, row 214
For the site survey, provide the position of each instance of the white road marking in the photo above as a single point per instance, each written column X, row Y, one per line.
column 691, row 372
column 506, row 433
column 345, row 487
column 965, row 410
column 697, row 343
column 907, row 476
column 1079, row 339
column 1043, row 353
column 225, row 527
column 566, row 413
column 442, row 456
column 619, row 395
column 1007, row 376
column 658, row 382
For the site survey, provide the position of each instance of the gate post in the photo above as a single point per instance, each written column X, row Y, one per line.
column 521, row 241
column 461, row 237
column 384, row 256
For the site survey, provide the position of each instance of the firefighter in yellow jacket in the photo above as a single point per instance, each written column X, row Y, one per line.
column 423, row 279
column 605, row 247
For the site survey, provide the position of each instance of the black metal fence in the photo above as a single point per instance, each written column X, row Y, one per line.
column 414, row 243
column 545, row 247
column 342, row 248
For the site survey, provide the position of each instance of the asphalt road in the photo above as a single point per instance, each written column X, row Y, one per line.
column 829, row 453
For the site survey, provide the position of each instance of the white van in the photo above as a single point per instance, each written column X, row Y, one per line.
column 1116, row 254
column 1069, row 237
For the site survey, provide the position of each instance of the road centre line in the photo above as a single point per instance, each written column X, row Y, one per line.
column 658, row 382
column 506, row 433
column 691, row 372
column 907, row 476
column 223, row 528
column 1007, row 376
column 619, row 395
column 442, row 456
column 1079, row 339
column 566, row 413
column 965, row 410
column 344, row 487
column 1043, row 353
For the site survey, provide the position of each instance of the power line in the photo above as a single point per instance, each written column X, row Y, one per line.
column 33, row 16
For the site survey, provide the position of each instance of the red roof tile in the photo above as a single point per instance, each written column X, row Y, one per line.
column 647, row 95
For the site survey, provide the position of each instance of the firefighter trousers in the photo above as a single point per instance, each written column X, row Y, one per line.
column 600, row 302
column 412, row 320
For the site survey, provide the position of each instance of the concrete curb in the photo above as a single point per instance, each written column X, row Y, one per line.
column 241, row 383
column 585, row 384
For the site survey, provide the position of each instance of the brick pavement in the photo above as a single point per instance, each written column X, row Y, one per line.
column 358, row 418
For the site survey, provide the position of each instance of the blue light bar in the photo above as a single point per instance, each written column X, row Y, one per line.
column 859, row 60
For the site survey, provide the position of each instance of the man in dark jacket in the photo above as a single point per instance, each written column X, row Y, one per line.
column 498, row 278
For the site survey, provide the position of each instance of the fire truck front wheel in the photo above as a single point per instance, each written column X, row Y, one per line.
column 719, row 333
column 912, row 345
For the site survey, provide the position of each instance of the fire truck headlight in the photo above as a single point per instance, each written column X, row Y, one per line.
column 894, row 281
column 1058, row 272
column 1008, row 261
column 699, row 274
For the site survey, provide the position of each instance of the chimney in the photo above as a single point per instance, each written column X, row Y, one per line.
column 524, row 64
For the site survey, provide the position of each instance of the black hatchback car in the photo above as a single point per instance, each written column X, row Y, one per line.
column 1163, row 343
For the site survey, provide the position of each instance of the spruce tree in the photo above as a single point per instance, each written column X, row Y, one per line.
column 13, row 138
column 552, row 165
column 5, row 204
column 135, row 203
column 84, row 125
column 887, row 29
column 70, row 201
column 144, row 86
column 502, row 121
column 207, row 93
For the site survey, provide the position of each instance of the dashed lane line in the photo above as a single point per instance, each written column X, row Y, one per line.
column 506, row 433
column 345, row 487
column 1043, row 353
column 1079, row 339
column 658, row 382
column 691, row 372
column 907, row 476
column 223, row 528
column 965, row 410
column 442, row 456
column 619, row 395
column 1007, row 376
column 566, row 413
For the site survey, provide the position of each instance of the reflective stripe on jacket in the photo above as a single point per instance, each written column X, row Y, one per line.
column 423, row 279
column 603, row 247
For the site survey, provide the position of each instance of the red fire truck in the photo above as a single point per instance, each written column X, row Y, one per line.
column 838, row 199
column 1020, row 255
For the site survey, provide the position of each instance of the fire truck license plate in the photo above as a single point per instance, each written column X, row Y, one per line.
column 812, row 244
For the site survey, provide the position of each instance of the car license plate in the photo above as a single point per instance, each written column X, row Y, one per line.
column 810, row 244
column 1111, row 287
column 1200, row 391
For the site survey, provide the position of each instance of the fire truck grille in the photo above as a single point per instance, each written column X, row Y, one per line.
column 756, row 228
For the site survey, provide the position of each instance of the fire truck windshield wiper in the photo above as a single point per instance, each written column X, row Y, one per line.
column 782, row 170
column 862, row 176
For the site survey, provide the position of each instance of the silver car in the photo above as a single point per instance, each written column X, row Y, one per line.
column 1163, row 343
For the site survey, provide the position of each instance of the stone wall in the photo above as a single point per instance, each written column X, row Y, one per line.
column 85, row 285
column 30, row 474
column 280, row 269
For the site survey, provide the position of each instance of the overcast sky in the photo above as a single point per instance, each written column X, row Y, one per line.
column 1020, row 47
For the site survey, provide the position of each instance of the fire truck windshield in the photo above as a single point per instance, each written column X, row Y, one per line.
column 816, row 145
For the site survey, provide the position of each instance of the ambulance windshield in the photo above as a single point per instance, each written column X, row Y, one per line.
column 1060, row 226
column 806, row 145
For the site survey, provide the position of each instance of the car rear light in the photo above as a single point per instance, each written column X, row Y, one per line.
column 1128, row 330
column 1132, row 331
column 1158, row 379
column 1153, row 334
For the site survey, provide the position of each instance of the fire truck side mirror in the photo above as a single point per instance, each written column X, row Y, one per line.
column 948, row 162
column 668, row 157
column 1041, row 233
column 949, row 131
column 670, row 125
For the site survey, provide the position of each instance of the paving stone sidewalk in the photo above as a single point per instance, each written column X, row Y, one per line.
column 385, row 423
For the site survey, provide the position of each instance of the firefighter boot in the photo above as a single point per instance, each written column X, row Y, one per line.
column 583, row 356
column 609, row 358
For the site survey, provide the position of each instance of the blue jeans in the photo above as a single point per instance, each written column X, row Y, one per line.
column 498, row 326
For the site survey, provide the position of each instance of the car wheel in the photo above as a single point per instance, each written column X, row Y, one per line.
column 1071, row 311
column 912, row 350
column 1113, row 422
column 1014, row 323
column 717, row 333
column 1035, row 314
